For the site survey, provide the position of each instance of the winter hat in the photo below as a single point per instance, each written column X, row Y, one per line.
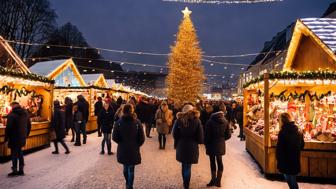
column 187, row 108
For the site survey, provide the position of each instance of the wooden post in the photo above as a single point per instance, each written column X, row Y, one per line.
column 266, row 110
column 266, row 121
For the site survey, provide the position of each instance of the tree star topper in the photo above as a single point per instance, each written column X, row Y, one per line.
column 186, row 12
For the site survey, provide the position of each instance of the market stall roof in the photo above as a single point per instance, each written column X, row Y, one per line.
column 95, row 80
column 64, row 72
column 317, row 34
column 110, row 82
column 9, row 58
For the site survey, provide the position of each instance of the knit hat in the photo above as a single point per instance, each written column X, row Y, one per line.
column 187, row 108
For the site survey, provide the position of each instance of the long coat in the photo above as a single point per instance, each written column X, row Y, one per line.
column 188, row 134
column 288, row 149
column 217, row 130
column 83, row 106
column 17, row 128
column 142, row 110
column 129, row 135
column 58, row 123
column 98, row 106
column 163, row 121
column 106, row 119
column 68, row 115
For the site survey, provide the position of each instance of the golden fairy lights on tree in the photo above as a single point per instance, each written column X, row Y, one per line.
column 185, row 78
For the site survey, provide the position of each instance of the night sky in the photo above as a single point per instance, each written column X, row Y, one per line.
column 150, row 26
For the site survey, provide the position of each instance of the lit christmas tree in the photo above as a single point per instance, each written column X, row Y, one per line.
column 185, row 78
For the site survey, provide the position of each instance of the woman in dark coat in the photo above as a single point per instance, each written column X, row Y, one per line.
column 77, row 122
column 58, row 124
column 217, row 131
column 188, row 134
column 105, row 119
column 129, row 135
column 69, row 117
column 288, row 150
column 16, row 132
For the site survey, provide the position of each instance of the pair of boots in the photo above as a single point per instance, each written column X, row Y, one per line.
column 67, row 151
column 162, row 142
column 215, row 181
column 109, row 149
column 16, row 173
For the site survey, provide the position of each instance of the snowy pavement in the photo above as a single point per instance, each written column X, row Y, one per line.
column 85, row 168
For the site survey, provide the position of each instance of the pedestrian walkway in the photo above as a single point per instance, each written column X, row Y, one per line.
column 85, row 168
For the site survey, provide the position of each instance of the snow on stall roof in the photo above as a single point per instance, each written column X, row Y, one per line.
column 46, row 67
column 90, row 78
column 110, row 82
column 324, row 28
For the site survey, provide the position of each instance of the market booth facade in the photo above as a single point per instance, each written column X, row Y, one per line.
column 68, row 83
column 98, row 87
column 33, row 92
column 306, row 89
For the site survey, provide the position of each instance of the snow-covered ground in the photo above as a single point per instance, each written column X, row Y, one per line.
column 85, row 168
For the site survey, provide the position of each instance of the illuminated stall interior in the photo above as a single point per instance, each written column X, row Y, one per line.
column 306, row 89
column 32, row 91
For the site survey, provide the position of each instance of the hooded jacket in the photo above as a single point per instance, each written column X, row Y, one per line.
column 288, row 149
column 129, row 135
column 216, row 131
column 17, row 128
column 188, row 134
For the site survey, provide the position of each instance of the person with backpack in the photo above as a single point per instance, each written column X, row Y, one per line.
column 129, row 135
column 217, row 131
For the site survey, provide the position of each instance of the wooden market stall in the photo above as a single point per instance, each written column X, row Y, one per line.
column 98, row 88
column 68, row 82
column 305, row 88
column 33, row 92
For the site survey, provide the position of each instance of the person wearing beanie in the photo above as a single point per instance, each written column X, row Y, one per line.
column 188, row 134
column 58, row 125
column 163, row 120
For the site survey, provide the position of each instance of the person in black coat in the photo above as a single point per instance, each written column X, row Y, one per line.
column 83, row 106
column 16, row 132
column 105, row 119
column 69, row 117
column 237, row 114
column 288, row 150
column 217, row 131
column 58, row 125
column 98, row 107
column 188, row 134
column 129, row 135
column 77, row 122
column 144, row 114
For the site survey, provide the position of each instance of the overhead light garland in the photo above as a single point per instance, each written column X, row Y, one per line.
column 222, row 1
column 49, row 46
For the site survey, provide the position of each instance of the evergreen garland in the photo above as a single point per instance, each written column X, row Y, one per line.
column 28, row 76
column 283, row 97
column 320, row 74
column 18, row 92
